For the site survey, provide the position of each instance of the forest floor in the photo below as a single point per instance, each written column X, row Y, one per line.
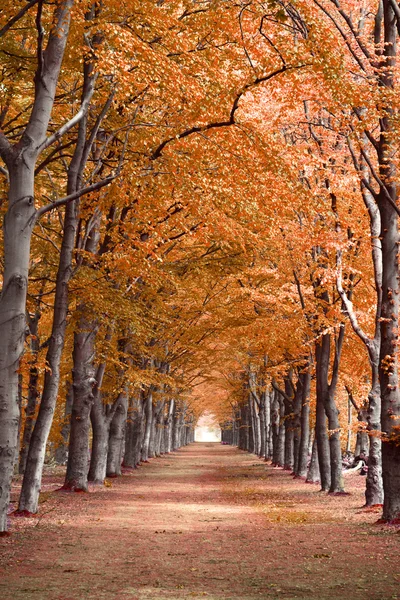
column 208, row 521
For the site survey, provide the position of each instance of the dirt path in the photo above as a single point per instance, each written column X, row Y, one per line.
column 206, row 522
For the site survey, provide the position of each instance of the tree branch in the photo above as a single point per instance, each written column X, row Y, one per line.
column 17, row 17
column 4, row 172
column 336, row 359
column 256, row 398
column 342, row 33
column 396, row 10
column 231, row 121
column 351, row 398
column 356, row 36
column 281, row 391
column 74, row 121
column 5, row 147
column 78, row 194
column 347, row 303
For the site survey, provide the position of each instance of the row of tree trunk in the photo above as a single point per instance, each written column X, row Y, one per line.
column 100, row 438
column 275, row 425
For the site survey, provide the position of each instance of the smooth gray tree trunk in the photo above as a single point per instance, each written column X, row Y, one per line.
column 117, row 436
column 33, row 473
column 33, row 392
column 83, row 381
column 148, row 413
column 18, row 224
column 313, row 474
column 305, row 426
column 61, row 453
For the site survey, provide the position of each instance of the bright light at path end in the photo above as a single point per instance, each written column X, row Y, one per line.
column 207, row 429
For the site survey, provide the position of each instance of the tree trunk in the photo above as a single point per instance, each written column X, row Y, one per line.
column 18, row 225
column 278, row 426
column 117, row 436
column 304, row 426
column 289, row 423
column 83, row 381
column 388, row 358
column 251, row 426
column 61, row 453
column 98, row 457
column 289, row 444
column 33, row 472
column 17, row 236
column 362, row 440
column 270, row 436
column 254, row 425
column 33, row 393
column 246, row 427
column 374, row 483
column 168, row 428
column 37, row 449
column 148, row 413
column 313, row 474
column 133, row 436
column 160, row 430
column 263, row 427
column 156, row 426
column 337, row 485
column 322, row 350
column 100, row 417
column 297, row 403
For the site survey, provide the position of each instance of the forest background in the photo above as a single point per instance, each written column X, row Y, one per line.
column 199, row 204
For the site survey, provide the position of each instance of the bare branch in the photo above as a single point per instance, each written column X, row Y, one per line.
column 256, row 398
column 270, row 42
column 379, row 181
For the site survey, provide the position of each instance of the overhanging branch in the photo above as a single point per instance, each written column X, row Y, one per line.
column 228, row 122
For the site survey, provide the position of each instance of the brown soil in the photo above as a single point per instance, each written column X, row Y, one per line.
column 206, row 522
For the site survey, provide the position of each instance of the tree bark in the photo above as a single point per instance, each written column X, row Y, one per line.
column 18, row 225
column 322, row 357
column 61, row 453
column 83, row 381
column 33, row 392
column 117, row 436
column 134, row 432
column 313, row 474
column 388, row 358
column 148, row 412
column 33, row 473
column 297, row 403
column 304, row 425
column 278, row 430
column 168, row 426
